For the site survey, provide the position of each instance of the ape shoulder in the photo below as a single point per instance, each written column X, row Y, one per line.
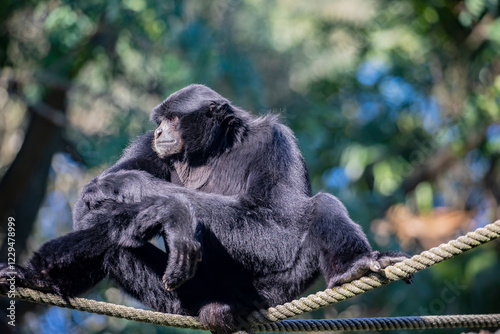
column 283, row 156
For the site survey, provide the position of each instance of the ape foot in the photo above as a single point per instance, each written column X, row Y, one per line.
column 21, row 277
column 375, row 262
column 8, row 272
column 386, row 259
column 221, row 318
column 183, row 259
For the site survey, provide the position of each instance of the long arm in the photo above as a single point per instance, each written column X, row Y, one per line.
column 139, row 155
column 224, row 216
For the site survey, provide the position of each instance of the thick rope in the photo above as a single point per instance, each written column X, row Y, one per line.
column 321, row 299
column 109, row 309
column 372, row 324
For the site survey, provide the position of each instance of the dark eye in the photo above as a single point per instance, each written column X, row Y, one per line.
column 171, row 118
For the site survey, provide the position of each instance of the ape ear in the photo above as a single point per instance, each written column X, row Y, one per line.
column 219, row 108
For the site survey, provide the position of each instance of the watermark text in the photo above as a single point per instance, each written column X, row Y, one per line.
column 11, row 261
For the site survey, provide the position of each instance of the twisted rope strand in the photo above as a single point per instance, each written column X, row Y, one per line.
column 109, row 309
column 321, row 299
column 445, row 321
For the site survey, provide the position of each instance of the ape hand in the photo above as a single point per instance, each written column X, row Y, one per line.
column 184, row 255
column 120, row 186
column 97, row 191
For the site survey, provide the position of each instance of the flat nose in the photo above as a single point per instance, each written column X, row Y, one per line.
column 158, row 132
column 161, row 128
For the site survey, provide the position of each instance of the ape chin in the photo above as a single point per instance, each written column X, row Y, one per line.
column 230, row 195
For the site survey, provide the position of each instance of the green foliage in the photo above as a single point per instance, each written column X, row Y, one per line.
column 392, row 102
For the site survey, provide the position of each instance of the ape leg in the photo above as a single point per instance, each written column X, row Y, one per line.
column 139, row 272
column 74, row 263
column 68, row 265
column 345, row 253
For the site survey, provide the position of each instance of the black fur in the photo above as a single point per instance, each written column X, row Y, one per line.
column 236, row 197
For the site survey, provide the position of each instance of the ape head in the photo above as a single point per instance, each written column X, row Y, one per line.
column 196, row 123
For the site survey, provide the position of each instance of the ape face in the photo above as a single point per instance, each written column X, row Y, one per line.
column 194, row 122
column 167, row 139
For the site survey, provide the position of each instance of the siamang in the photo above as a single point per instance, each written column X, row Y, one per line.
column 230, row 195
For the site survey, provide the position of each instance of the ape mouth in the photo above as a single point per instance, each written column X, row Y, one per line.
column 167, row 147
column 166, row 142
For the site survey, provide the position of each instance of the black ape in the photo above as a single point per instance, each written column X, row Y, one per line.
column 222, row 187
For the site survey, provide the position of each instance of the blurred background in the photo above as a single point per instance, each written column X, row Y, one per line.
column 394, row 103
